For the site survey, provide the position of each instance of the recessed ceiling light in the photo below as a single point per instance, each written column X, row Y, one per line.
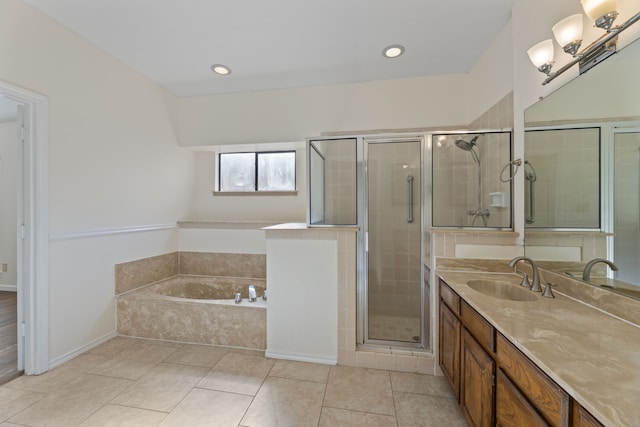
column 223, row 70
column 393, row 51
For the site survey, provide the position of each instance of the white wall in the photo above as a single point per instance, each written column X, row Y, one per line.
column 113, row 162
column 295, row 114
column 491, row 77
column 8, row 202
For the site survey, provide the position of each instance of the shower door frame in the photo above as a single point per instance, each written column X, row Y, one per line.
column 362, row 323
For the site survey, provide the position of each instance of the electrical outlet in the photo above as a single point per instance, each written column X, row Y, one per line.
column 5, row 267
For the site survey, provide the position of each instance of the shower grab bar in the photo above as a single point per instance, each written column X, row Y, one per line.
column 410, row 181
column 531, row 178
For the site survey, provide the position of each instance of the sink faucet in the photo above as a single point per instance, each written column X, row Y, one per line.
column 587, row 268
column 535, row 283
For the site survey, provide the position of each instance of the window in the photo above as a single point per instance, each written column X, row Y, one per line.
column 273, row 171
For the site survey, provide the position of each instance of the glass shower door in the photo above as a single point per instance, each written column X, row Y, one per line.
column 393, row 225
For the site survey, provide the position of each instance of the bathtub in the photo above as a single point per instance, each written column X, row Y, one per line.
column 195, row 309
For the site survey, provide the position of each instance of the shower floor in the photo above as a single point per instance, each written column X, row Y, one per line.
column 394, row 328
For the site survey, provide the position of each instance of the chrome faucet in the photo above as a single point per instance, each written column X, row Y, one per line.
column 587, row 268
column 535, row 282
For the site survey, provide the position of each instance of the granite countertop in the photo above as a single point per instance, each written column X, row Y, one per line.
column 593, row 355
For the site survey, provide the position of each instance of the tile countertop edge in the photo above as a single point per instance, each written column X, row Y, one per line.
column 517, row 335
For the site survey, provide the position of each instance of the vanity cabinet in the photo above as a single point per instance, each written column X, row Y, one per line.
column 497, row 384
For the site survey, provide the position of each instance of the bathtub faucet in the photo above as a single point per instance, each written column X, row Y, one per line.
column 252, row 294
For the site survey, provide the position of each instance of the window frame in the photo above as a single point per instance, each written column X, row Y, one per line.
column 218, row 185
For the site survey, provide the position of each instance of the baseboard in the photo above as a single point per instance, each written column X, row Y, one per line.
column 77, row 352
column 302, row 358
column 9, row 288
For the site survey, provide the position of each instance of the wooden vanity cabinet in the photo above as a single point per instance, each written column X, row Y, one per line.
column 496, row 384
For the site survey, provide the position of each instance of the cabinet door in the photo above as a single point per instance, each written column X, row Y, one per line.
column 512, row 408
column 582, row 418
column 450, row 348
column 476, row 384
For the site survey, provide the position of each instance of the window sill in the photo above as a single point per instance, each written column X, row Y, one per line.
column 255, row 193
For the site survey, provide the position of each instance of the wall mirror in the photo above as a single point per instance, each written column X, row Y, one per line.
column 582, row 180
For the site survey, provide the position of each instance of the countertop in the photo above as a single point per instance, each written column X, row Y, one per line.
column 593, row 355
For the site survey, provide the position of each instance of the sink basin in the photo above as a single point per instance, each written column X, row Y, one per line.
column 502, row 290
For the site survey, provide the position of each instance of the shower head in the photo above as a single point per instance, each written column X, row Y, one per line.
column 466, row 146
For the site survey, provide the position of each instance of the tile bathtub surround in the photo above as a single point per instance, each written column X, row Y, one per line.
column 223, row 264
column 133, row 274
column 196, row 385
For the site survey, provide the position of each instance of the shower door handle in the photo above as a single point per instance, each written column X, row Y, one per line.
column 410, row 181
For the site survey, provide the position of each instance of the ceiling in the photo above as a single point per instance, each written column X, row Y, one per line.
column 283, row 43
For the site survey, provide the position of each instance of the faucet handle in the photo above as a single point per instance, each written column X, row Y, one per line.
column 548, row 293
column 525, row 280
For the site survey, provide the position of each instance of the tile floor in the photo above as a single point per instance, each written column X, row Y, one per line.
column 134, row 382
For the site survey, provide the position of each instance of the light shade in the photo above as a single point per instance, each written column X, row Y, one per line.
column 568, row 30
column 598, row 8
column 542, row 53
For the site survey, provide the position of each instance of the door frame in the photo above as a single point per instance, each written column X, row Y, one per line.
column 362, row 327
column 33, row 231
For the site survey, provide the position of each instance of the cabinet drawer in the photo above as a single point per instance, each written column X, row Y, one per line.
column 512, row 408
column 550, row 400
column 481, row 330
column 449, row 297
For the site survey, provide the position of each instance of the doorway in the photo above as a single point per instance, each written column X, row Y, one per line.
column 393, row 249
column 31, row 229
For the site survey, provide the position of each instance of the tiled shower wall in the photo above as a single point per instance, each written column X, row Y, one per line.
column 455, row 181
column 141, row 272
column 340, row 181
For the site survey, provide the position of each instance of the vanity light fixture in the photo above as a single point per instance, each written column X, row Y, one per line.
column 393, row 51
column 542, row 56
column 223, row 70
column 568, row 34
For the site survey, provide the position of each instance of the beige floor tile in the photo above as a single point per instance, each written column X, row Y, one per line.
column 237, row 373
column 47, row 382
column 332, row 417
column 162, row 388
column 114, row 346
column 284, row 402
column 300, row 371
column 13, row 401
column 122, row 416
column 421, row 384
column 93, row 388
column 87, row 361
column 358, row 389
column 53, row 411
column 427, row 411
column 197, row 355
column 134, row 361
column 208, row 408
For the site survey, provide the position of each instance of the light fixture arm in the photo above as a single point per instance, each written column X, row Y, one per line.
column 597, row 51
